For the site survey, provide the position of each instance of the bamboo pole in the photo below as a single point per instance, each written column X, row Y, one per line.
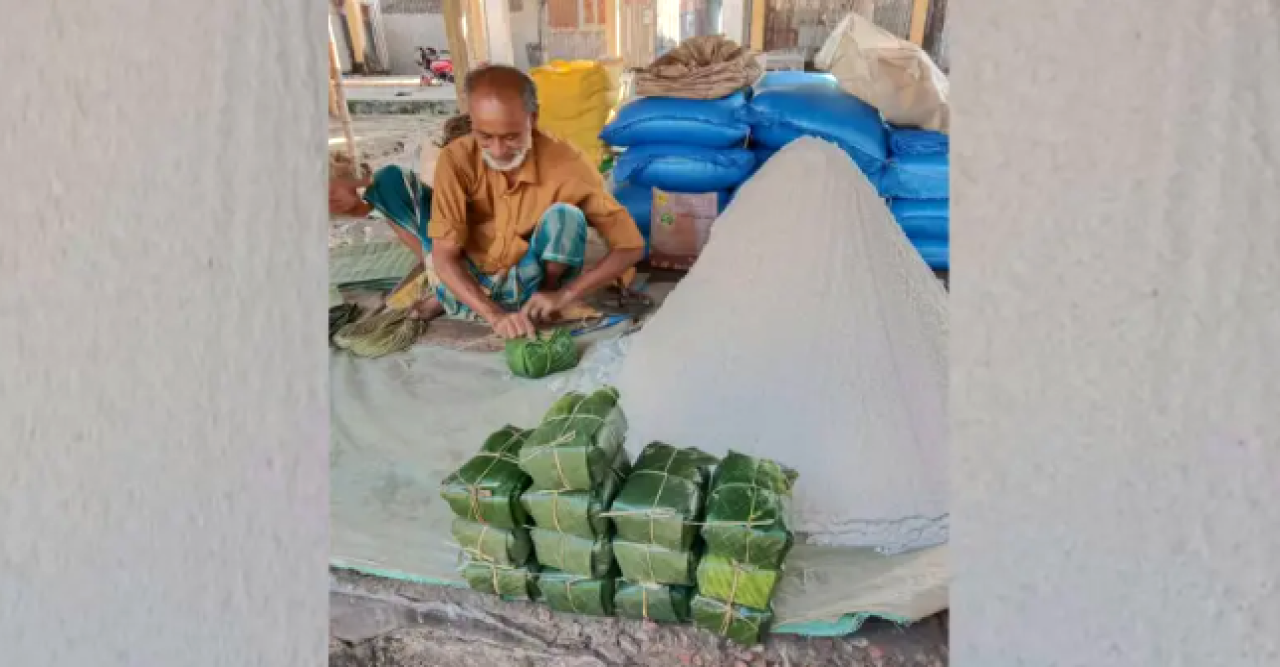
column 457, row 48
column 477, row 22
column 355, row 26
column 919, row 15
column 759, row 11
column 611, row 47
column 340, row 97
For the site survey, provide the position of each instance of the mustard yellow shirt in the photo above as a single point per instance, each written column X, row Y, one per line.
column 473, row 207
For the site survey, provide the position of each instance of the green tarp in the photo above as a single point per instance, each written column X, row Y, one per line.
column 662, row 604
column 737, row 583
column 746, row 511
column 501, row 546
column 662, row 500
column 576, row 443
column 519, row 583
column 487, row 488
column 592, row 558
column 651, row 564
column 574, row 594
column 743, row 625
column 578, row 513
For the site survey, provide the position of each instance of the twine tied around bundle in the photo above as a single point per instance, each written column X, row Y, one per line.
column 539, row 357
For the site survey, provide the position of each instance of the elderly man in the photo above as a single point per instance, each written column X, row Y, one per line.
column 509, row 215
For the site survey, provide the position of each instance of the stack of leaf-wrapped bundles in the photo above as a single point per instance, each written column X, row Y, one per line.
column 656, row 517
column 490, row 526
column 747, row 541
column 577, row 464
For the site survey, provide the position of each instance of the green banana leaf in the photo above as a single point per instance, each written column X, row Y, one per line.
column 662, row 499
column 487, row 488
column 573, row 594
column 542, row 357
column 722, row 579
column 739, row 468
column 576, row 443
column 662, row 604
column 518, row 583
column 651, row 564
column 746, row 511
column 508, row 547
column 578, row 513
column 591, row 558
column 743, row 625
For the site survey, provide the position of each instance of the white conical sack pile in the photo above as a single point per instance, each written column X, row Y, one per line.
column 810, row 332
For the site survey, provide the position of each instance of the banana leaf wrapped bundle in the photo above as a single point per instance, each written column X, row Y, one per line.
column 578, row 513
column 541, row 357
column 662, row 604
column 662, row 498
column 746, row 511
column 652, row 564
column 591, row 558
column 722, row 579
column 487, row 488
column 576, row 595
column 508, row 547
column 576, row 443
column 519, row 583
column 743, row 625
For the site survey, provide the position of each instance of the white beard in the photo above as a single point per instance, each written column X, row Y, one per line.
column 515, row 162
column 510, row 165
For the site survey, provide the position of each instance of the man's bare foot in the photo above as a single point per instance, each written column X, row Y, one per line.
column 426, row 309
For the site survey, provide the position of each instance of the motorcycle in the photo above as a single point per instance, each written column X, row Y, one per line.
column 437, row 66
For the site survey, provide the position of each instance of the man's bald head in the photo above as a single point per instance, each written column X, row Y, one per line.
column 505, row 83
column 502, row 103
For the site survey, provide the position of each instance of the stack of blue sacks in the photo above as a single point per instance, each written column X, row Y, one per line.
column 917, row 185
column 907, row 167
column 680, row 146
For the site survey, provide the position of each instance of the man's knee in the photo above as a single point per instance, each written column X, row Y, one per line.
column 565, row 215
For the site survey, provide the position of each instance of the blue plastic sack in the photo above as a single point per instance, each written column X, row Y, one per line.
column 917, row 177
column 638, row 200
column 904, row 141
column 923, row 219
column 762, row 153
column 793, row 79
column 665, row 120
column 937, row 254
column 782, row 115
column 680, row 168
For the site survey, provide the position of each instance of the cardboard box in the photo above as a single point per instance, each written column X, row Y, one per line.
column 680, row 226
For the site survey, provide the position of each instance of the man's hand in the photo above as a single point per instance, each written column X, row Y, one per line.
column 543, row 306
column 513, row 325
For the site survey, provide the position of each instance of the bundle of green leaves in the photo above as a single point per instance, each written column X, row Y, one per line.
column 662, row 499
column 743, row 625
column 653, row 602
column 591, row 558
column 746, row 511
column 510, row 547
column 576, row 594
column 577, row 442
column 518, row 583
column 578, row 513
column 487, row 488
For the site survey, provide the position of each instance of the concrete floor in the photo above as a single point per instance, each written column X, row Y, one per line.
column 376, row 622
column 410, row 90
